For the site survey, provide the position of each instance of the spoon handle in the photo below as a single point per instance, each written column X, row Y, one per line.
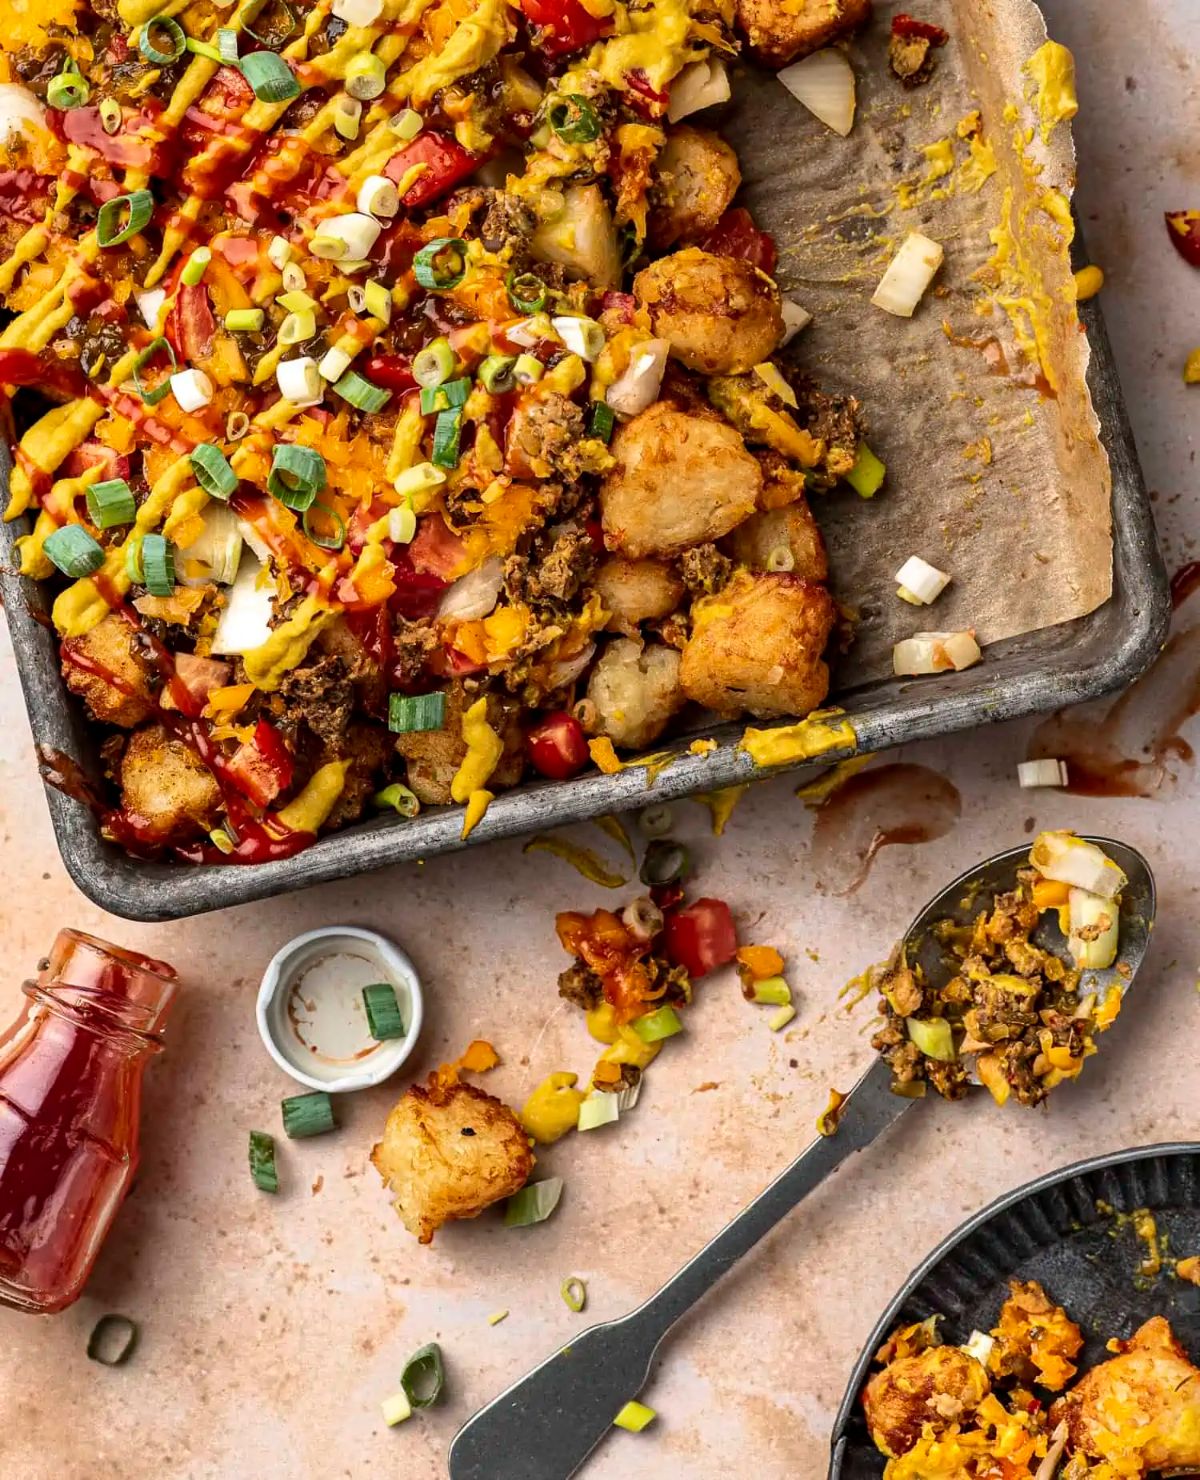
column 548, row 1422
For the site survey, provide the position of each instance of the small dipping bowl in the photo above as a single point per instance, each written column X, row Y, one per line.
column 310, row 1008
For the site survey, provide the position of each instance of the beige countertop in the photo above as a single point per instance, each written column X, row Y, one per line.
column 273, row 1327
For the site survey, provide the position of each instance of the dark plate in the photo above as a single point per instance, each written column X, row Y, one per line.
column 1050, row 1231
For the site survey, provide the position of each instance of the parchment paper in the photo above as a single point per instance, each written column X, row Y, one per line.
column 1003, row 487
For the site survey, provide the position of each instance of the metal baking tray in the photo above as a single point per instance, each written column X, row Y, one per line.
column 1038, row 671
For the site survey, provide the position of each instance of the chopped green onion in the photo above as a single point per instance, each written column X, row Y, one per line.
column 377, row 298
column 334, row 540
column 111, row 503
column 656, row 822
column 934, row 1037
column 526, row 291
column 773, row 991
column 111, row 116
column 153, row 396
column 195, row 267
column 68, row 90
column 109, row 232
column 171, row 33
column 654, row 1026
column 424, row 1376
column 601, row 421
column 573, row 119
column 236, row 426
column 133, row 561
column 227, row 45
column 347, row 117
column 533, row 1204
column 442, row 264
column 781, row 1017
column 574, row 1292
column 112, row 1341
column 599, row 1109
column 297, row 327
column 402, row 525
column 408, row 713
column 221, row 840
column 445, row 397
column 296, row 300
column 528, row 370
column 867, row 475
column 396, row 1409
column 665, row 862
column 213, row 472
column 262, row 1162
column 399, row 798
column 244, row 320
column 418, row 480
column 297, row 475
column 270, row 76
column 434, row 364
column 73, row 551
column 407, row 124
column 446, row 432
column 158, row 563
column 273, row 38
column 634, row 1417
column 203, row 49
column 366, row 76
column 383, row 1011
column 496, row 374
column 361, row 394
column 496, row 1317
column 307, row 1115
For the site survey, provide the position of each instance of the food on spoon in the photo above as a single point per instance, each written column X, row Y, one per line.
column 1016, row 1015
column 449, row 1151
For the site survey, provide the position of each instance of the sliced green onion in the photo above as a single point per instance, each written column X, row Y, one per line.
column 378, row 300
column 574, row 1293
column 361, row 394
column 445, row 397
column 418, row 480
column 434, row 364
column 158, row 563
column 270, row 76
column 111, row 116
column 442, row 264
column 408, row 713
column 171, row 33
column 227, row 45
column 446, row 432
column 934, row 1037
column 326, row 541
column 133, row 561
column 528, row 370
column 68, row 90
column 307, row 1115
column 196, row 266
column 781, row 1017
column 496, row 374
column 407, row 124
column 236, row 426
column 111, row 503
column 140, row 207
column 665, row 862
column 526, row 291
column 402, row 525
column 244, row 320
column 73, row 551
column 867, row 475
column 112, row 1341
column 296, row 300
column 347, row 117
column 383, row 1011
column 273, row 39
column 262, row 1162
column 533, row 1204
column 573, row 119
column 773, row 991
column 399, row 799
column 601, row 421
column 297, row 475
column 634, row 1417
column 396, row 1409
column 599, row 1109
column 656, row 822
column 297, row 327
column 213, row 472
column 154, row 396
column 203, row 49
column 654, row 1026
column 424, row 1376
column 221, row 840
column 366, row 76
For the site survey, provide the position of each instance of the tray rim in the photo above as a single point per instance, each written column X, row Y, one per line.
column 838, row 1438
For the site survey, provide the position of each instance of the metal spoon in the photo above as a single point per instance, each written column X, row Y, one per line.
column 548, row 1422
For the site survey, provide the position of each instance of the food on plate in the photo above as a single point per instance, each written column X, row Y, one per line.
column 981, row 1411
column 1011, row 1013
column 449, row 1151
column 394, row 392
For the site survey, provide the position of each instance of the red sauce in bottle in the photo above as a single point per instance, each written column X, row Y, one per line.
column 70, row 1101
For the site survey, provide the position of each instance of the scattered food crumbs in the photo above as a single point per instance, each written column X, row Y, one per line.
column 703, row 1089
column 1189, row 1270
column 830, row 1117
column 634, row 1417
column 317, row 1185
column 1191, row 368
column 1031, row 774
column 1088, row 282
column 496, row 1317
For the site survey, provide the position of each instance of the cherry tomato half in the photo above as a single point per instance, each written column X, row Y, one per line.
column 700, row 937
column 557, row 746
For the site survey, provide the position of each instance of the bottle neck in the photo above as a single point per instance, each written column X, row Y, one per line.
column 113, row 992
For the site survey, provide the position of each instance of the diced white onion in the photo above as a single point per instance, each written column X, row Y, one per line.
column 397, row 1408
column 333, row 364
column 245, row 620
column 824, row 83
column 934, row 652
column 775, row 383
column 402, row 525
column 642, row 381
column 279, row 252
column 294, row 280
column 980, row 1347
column 299, row 381
column 567, row 670
column 1090, row 913
column 1058, row 1447
column 700, row 85
column 192, row 389
column 909, row 274
column 600, row 1108
column 530, row 332
column 215, row 554
column 18, row 106
column 474, row 595
column 1070, row 860
column 1031, row 774
column 795, row 318
column 922, row 580
column 149, row 304
column 254, row 542
column 351, row 236
column 378, row 196
column 582, row 336
column 358, row 12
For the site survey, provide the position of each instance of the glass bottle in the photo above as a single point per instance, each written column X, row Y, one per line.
column 70, row 1101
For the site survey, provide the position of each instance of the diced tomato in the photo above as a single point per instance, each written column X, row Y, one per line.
column 557, row 746
column 595, row 532
column 908, row 28
column 700, row 936
column 448, row 662
column 666, row 896
column 735, row 235
column 93, row 454
column 621, row 305
column 417, row 592
column 646, row 100
column 1184, row 229
column 190, row 324
column 446, row 163
column 262, row 766
column 436, row 548
column 391, row 372
column 562, row 26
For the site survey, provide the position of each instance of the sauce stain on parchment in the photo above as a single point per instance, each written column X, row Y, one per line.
column 900, row 803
